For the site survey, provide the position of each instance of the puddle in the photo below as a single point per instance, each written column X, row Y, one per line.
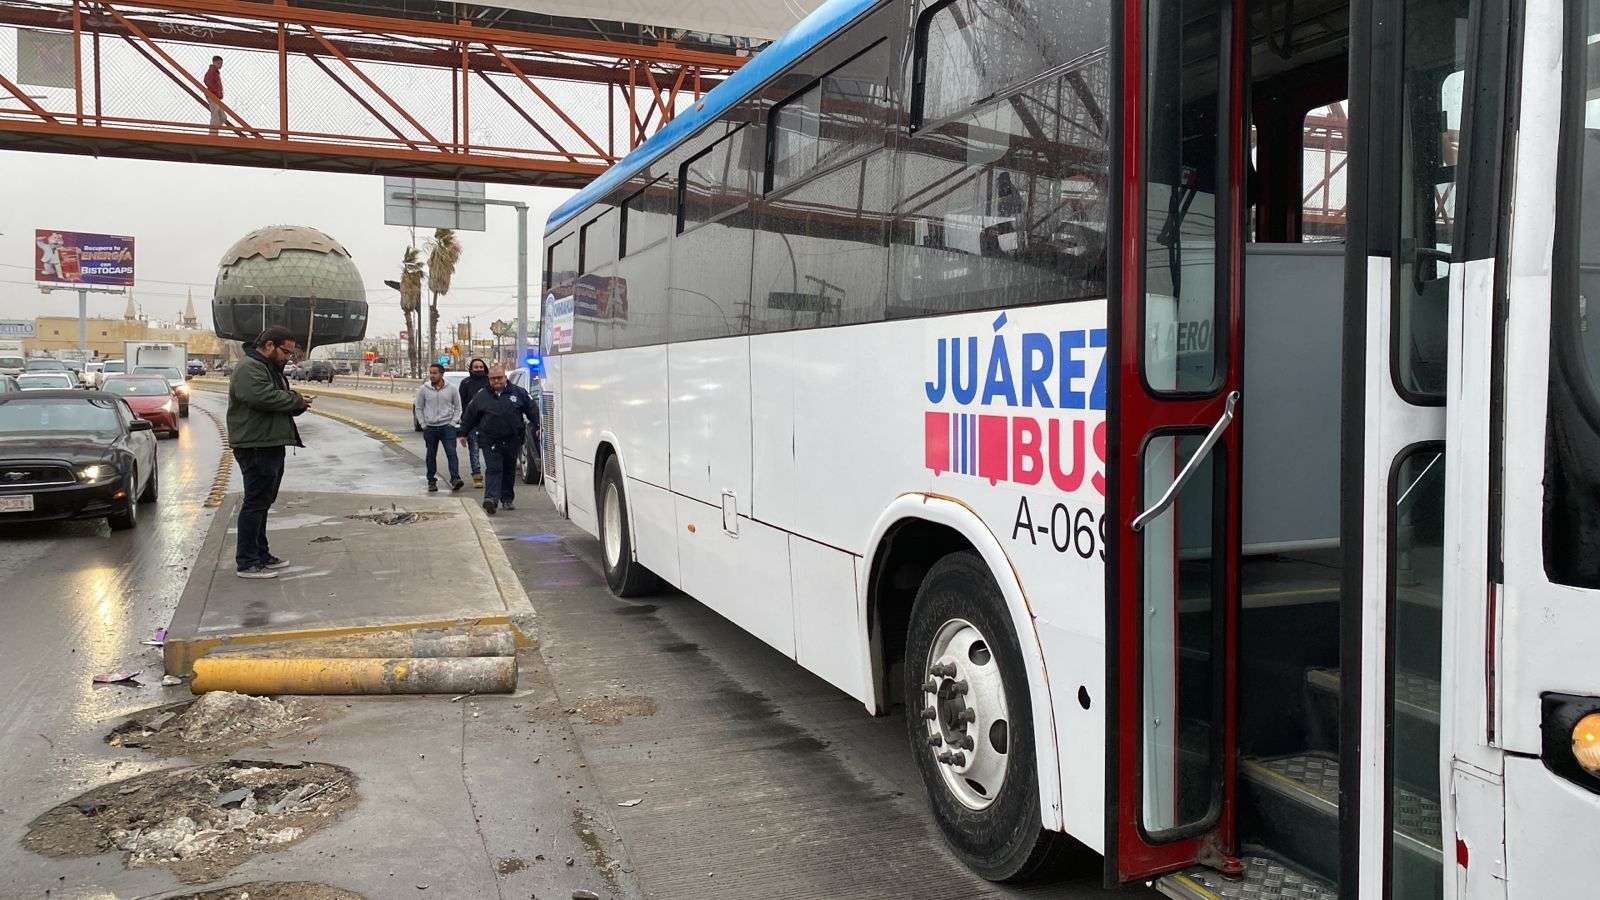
column 199, row 822
column 275, row 890
column 216, row 724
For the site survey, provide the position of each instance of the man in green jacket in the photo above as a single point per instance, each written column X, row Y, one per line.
column 261, row 411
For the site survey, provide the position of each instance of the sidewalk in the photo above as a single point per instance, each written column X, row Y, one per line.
column 360, row 564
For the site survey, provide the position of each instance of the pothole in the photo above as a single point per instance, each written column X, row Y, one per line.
column 400, row 516
column 275, row 890
column 217, row 723
column 200, row 822
column 608, row 710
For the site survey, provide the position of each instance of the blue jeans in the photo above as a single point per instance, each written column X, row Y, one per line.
column 432, row 437
column 501, row 461
column 262, row 471
column 472, row 453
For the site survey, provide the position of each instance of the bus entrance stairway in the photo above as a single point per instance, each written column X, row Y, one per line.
column 1288, row 785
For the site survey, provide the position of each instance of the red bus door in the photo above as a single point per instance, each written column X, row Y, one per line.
column 1173, row 571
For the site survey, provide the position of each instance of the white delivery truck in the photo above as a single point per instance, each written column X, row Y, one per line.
column 12, row 361
column 165, row 358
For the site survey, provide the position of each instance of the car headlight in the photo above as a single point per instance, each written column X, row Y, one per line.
column 97, row 472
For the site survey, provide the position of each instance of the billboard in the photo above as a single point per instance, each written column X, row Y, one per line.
column 16, row 328
column 75, row 257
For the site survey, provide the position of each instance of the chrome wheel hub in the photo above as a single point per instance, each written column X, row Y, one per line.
column 963, row 704
column 611, row 510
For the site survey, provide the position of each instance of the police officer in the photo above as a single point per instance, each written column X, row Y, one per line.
column 498, row 414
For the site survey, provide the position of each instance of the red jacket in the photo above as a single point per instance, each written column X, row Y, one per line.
column 213, row 82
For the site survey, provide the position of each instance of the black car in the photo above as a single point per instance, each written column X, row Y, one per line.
column 317, row 370
column 74, row 454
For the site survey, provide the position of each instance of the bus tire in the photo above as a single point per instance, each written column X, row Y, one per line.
column 625, row 576
column 980, row 773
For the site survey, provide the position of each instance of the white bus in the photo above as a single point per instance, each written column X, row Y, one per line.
column 1010, row 365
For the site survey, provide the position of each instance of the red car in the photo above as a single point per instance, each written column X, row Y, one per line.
column 150, row 397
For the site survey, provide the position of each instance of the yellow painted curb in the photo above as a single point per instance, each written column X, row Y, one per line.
column 382, row 434
column 317, row 675
column 219, row 484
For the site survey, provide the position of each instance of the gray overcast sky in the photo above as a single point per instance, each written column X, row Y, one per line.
column 184, row 215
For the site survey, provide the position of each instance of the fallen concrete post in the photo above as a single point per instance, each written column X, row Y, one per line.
column 421, row 643
column 322, row 675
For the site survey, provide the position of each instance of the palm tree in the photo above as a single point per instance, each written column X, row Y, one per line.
column 444, row 251
column 411, row 301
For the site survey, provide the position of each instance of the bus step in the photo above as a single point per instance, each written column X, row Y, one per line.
column 1416, row 724
column 1265, row 878
column 1294, row 801
column 1414, row 695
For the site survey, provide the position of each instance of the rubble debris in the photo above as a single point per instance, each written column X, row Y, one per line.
column 199, row 821
column 608, row 710
column 170, row 680
column 275, row 890
column 115, row 678
column 632, row 803
column 216, row 723
column 400, row 516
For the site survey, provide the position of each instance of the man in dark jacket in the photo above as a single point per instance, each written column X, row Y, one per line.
column 261, row 411
column 477, row 379
column 498, row 413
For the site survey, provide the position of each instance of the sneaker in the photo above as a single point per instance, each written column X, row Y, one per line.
column 477, row 480
column 457, row 484
column 275, row 563
column 489, row 506
column 433, row 487
column 255, row 572
column 507, row 504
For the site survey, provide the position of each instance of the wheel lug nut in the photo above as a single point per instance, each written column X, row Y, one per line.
column 930, row 686
column 935, row 741
column 946, row 757
column 943, row 670
column 967, row 715
column 966, row 742
column 929, row 713
column 959, row 687
column 958, row 759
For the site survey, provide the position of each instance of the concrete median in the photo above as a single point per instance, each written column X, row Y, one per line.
column 386, row 595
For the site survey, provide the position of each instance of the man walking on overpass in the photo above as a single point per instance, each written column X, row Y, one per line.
column 438, row 408
column 261, row 411
column 498, row 413
column 213, row 83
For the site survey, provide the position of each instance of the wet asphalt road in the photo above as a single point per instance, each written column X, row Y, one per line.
column 769, row 759
column 78, row 599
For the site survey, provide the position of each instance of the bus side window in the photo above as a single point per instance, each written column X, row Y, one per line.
column 1324, row 167
column 1006, row 205
column 639, row 304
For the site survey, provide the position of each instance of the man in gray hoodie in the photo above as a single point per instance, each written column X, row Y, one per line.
column 438, row 408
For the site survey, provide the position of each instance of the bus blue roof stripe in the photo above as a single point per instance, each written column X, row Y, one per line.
column 826, row 20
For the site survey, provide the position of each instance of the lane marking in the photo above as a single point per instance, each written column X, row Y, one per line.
column 219, row 485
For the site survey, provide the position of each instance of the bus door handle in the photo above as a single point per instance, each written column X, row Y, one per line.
column 1192, row 466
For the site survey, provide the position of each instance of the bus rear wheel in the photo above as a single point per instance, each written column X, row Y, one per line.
column 625, row 576
column 971, row 726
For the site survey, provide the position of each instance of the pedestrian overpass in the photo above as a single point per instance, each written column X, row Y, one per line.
column 392, row 87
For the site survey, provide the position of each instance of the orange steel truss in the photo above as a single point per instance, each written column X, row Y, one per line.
column 334, row 91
